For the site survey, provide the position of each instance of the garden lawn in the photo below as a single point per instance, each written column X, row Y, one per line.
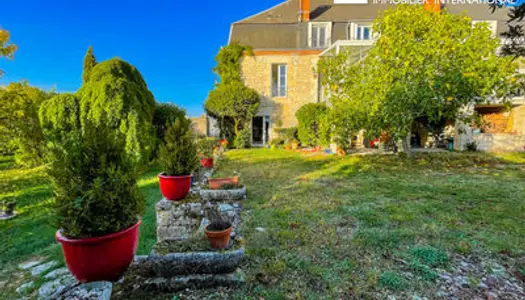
column 318, row 226
column 371, row 226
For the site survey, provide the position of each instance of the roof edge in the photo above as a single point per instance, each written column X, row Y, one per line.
column 262, row 12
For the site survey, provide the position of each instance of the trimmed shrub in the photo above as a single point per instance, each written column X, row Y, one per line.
column 205, row 146
column 310, row 117
column 242, row 140
column 164, row 115
column 94, row 181
column 178, row 154
column 117, row 95
column 59, row 116
column 287, row 134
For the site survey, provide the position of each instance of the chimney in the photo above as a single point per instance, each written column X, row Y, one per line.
column 304, row 10
column 432, row 5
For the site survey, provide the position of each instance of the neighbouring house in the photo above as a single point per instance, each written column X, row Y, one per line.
column 289, row 39
column 203, row 125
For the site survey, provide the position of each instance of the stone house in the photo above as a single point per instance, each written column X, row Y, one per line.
column 289, row 39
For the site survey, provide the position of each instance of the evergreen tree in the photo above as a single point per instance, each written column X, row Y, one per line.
column 515, row 33
column 89, row 63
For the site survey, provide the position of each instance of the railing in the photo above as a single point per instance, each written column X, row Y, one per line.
column 335, row 48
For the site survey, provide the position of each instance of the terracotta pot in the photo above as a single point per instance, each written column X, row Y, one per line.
column 174, row 187
column 218, row 239
column 100, row 258
column 207, row 162
column 216, row 183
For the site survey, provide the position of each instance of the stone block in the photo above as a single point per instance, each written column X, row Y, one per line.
column 178, row 283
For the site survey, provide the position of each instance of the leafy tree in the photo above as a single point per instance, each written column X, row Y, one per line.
column 423, row 65
column 165, row 114
column 7, row 49
column 19, row 123
column 117, row 95
column 231, row 99
column 311, row 129
column 178, row 155
column 89, row 63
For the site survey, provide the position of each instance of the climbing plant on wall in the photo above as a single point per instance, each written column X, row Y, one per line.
column 231, row 99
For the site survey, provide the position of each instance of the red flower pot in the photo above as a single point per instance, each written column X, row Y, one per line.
column 174, row 187
column 207, row 162
column 100, row 258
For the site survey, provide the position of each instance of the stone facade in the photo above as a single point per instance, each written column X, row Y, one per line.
column 199, row 125
column 505, row 132
column 302, row 85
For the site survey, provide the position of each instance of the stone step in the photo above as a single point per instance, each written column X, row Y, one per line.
column 175, row 264
column 194, row 281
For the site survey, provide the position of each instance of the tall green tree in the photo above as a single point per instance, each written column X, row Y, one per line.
column 424, row 65
column 20, row 130
column 117, row 95
column 89, row 63
column 7, row 49
column 311, row 118
column 231, row 99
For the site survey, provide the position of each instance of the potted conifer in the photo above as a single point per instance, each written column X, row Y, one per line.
column 205, row 147
column 178, row 158
column 98, row 202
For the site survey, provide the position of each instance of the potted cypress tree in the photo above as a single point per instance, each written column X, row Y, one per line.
column 205, row 148
column 97, row 200
column 178, row 158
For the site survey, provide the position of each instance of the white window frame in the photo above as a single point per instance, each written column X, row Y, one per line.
column 281, row 80
column 328, row 34
column 362, row 25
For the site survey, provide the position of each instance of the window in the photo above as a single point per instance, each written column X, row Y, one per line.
column 279, row 80
column 363, row 32
column 320, row 35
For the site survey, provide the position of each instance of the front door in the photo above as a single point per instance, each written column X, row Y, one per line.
column 260, row 130
column 257, row 131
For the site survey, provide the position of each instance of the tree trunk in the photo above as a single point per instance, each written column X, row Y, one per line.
column 406, row 146
column 236, row 125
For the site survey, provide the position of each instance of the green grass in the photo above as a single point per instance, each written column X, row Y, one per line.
column 411, row 214
column 408, row 216
column 32, row 232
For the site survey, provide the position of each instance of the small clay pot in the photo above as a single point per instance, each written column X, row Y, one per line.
column 216, row 183
column 218, row 239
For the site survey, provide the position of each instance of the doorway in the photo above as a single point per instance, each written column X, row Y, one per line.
column 260, row 130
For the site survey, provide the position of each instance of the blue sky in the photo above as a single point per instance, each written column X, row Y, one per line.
column 172, row 43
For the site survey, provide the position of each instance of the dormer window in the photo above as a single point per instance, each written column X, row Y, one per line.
column 319, row 35
column 363, row 32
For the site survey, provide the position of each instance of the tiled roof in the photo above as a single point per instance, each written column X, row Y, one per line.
column 279, row 26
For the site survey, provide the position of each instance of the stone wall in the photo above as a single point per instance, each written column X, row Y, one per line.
column 199, row 125
column 506, row 135
column 499, row 142
column 302, row 85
